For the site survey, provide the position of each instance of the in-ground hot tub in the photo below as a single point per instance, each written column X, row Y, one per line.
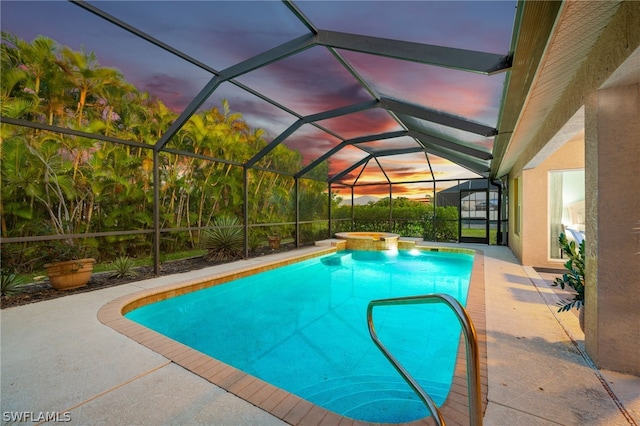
column 370, row 240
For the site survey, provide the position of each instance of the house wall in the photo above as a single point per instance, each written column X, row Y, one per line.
column 612, row 179
column 515, row 237
column 612, row 288
column 535, row 242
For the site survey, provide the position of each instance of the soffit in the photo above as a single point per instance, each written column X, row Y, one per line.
column 578, row 27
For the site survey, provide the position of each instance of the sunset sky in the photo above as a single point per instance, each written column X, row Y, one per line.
column 222, row 33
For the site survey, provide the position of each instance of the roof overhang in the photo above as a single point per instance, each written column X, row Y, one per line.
column 564, row 52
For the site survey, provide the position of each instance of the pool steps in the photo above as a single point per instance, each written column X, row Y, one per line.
column 391, row 396
column 474, row 373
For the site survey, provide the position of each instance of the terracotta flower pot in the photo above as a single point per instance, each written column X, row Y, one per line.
column 274, row 242
column 70, row 274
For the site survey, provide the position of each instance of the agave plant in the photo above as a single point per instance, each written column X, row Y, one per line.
column 574, row 277
column 11, row 284
column 123, row 266
column 224, row 242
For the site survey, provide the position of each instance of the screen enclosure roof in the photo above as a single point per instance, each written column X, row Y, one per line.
column 375, row 91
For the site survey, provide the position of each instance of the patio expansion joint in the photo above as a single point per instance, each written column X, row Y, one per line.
column 528, row 413
column 537, row 281
column 118, row 386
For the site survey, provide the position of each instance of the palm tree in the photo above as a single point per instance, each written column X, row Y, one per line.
column 115, row 103
column 45, row 85
column 13, row 106
column 75, row 184
column 36, row 58
column 89, row 79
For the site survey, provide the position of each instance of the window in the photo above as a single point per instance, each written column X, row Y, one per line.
column 566, row 208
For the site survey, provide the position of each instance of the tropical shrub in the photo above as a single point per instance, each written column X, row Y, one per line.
column 574, row 277
column 256, row 238
column 410, row 219
column 78, row 185
column 409, row 228
column 65, row 250
column 441, row 225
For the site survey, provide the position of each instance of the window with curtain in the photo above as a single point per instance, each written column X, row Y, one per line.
column 566, row 208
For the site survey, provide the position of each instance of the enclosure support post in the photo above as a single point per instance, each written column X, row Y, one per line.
column 433, row 223
column 156, row 212
column 245, row 210
column 297, row 195
column 499, row 219
column 353, row 212
column 390, row 208
column 488, row 220
column 329, row 205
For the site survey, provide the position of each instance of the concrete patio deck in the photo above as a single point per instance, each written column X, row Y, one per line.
column 56, row 357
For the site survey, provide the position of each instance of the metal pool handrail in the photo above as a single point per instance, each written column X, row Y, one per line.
column 471, row 339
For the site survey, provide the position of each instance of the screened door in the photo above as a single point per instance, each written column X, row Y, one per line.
column 476, row 208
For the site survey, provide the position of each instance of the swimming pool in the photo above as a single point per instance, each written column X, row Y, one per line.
column 303, row 328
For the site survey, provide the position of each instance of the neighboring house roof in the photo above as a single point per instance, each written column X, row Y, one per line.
column 470, row 185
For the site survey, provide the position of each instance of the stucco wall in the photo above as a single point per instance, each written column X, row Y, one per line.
column 535, row 207
column 612, row 176
column 515, row 238
column 612, row 288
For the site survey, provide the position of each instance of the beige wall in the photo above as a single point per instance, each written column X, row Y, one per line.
column 515, row 238
column 534, row 230
column 608, row 86
column 612, row 285
column 534, row 240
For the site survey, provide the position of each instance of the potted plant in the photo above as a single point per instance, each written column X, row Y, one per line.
column 274, row 241
column 574, row 276
column 69, row 266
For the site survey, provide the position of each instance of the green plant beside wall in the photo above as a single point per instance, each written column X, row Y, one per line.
column 65, row 250
column 574, row 277
column 11, row 284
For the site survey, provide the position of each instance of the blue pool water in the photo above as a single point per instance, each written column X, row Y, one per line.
column 303, row 328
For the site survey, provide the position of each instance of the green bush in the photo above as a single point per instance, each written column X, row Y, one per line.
column 408, row 221
column 444, row 226
column 409, row 228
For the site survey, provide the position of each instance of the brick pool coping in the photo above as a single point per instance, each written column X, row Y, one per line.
column 280, row 403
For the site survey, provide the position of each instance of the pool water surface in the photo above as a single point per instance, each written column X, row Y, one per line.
column 302, row 327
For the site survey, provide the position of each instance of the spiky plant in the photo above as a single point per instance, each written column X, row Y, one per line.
column 123, row 265
column 574, row 277
column 256, row 237
column 11, row 283
column 224, row 242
